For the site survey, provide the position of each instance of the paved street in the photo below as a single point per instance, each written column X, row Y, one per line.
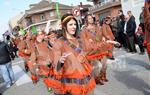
column 127, row 76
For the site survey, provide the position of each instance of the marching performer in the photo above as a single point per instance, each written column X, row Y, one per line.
column 95, row 48
column 22, row 50
column 71, row 73
column 40, row 57
column 147, row 26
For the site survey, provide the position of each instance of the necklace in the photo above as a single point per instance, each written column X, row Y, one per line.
column 76, row 46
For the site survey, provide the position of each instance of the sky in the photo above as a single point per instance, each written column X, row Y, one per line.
column 10, row 8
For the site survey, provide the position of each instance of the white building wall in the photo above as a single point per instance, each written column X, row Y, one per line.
column 133, row 5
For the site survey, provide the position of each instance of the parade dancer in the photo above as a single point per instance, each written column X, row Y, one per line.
column 30, row 43
column 108, row 35
column 40, row 58
column 22, row 51
column 147, row 26
column 96, row 49
column 71, row 74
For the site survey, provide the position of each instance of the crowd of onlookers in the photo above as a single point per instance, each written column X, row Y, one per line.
column 127, row 32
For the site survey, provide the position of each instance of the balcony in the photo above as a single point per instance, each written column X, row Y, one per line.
column 104, row 5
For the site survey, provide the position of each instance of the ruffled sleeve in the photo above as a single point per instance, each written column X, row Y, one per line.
column 56, row 51
column 85, row 39
column 107, row 33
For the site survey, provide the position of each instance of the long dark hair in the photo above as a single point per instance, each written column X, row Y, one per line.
column 64, row 20
column 86, row 19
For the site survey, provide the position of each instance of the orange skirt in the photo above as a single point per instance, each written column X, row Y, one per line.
column 97, row 56
column 21, row 54
column 25, row 56
column 144, row 43
column 73, row 86
column 148, row 48
column 77, row 83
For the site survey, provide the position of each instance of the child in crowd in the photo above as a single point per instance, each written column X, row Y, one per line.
column 140, row 39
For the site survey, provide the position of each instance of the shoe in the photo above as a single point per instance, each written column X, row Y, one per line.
column 12, row 82
column 7, row 86
column 50, row 90
column 141, row 53
column 132, row 52
column 105, row 79
column 99, row 81
column 26, row 68
column 112, row 58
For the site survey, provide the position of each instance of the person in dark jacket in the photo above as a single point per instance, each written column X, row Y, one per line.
column 12, row 46
column 121, row 37
column 141, row 19
column 130, row 30
column 5, row 64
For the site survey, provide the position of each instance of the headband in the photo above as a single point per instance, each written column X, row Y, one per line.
column 52, row 35
column 68, row 17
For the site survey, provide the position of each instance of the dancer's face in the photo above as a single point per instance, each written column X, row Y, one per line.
column 90, row 20
column 108, row 21
column 40, row 37
column 71, row 27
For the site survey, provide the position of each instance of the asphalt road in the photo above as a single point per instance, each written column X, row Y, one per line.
column 127, row 76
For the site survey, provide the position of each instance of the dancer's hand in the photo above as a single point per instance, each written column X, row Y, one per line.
column 63, row 57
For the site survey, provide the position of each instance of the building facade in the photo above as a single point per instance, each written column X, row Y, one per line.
column 39, row 14
column 84, row 10
column 135, row 6
column 103, row 8
column 13, row 23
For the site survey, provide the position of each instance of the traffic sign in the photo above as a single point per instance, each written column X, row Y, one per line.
column 76, row 12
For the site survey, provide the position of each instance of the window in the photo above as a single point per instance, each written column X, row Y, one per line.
column 101, row 0
column 32, row 19
column 125, row 0
column 51, row 14
column 29, row 21
column 42, row 18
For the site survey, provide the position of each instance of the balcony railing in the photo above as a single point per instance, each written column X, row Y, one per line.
column 106, row 2
column 29, row 23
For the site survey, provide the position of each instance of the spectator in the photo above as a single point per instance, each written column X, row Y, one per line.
column 140, row 39
column 125, row 34
column 5, row 64
column 141, row 19
column 120, row 24
column 130, row 30
column 11, row 45
column 114, row 26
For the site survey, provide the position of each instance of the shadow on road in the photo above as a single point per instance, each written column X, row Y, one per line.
column 2, row 88
column 132, row 81
column 137, row 62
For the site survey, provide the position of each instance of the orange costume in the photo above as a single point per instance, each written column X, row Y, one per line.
column 30, row 44
column 22, row 48
column 107, row 33
column 23, row 51
column 96, row 49
column 74, row 75
column 40, row 59
column 147, row 26
column 93, row 44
